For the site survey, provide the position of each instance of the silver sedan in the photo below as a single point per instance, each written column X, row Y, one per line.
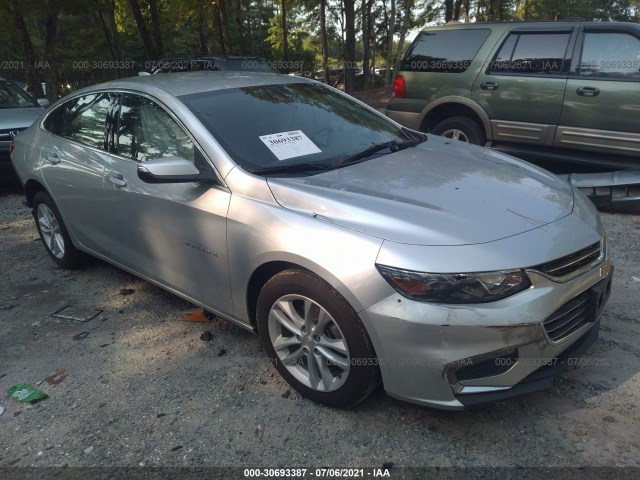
column 360, row 251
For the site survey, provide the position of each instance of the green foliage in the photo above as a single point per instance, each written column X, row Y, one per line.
column 250, row 27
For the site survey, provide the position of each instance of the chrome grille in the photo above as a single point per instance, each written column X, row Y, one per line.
column 569, row 317
column 572, row 263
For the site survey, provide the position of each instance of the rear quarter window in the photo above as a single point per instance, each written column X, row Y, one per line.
column 446, row 51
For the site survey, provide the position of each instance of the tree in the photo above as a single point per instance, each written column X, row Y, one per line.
column 150, row 51
column 350, row 45
column 390, row 58
column 324, row 40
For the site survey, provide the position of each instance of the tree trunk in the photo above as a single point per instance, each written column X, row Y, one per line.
column 147, row 44
column 244, row 44
column 202, row 28
column 285, row 39
column 390, row 60
column 223, row 22
column 367, row 27
column 325, row 42
column 448, row 10
column 350, row 45
column 50, row 41
column 33, row 78
column 155, row 26
column 457, row 7
column 406, row 22
column 108, row 22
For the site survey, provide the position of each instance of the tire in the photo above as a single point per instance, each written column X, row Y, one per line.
column 290, row 308
column 54, row 234
column 461, row 128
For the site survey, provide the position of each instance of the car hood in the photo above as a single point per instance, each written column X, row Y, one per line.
column 18, row 118
column 438, row 193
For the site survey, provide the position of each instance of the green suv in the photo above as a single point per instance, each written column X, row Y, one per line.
column 558, row 90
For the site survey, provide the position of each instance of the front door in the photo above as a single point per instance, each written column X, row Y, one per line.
column 173, row 233
column 523, row 85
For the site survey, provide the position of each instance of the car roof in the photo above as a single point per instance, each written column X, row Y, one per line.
column 185, row 83
column 569, row 22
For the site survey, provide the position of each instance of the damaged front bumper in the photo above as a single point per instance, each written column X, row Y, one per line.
column 454, row 356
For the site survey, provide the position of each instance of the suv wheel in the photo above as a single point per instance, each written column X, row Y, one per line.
column 460, row 128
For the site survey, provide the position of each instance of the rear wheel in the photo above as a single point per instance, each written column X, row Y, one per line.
column 54, row 234
column 460, row 128
column 316, row 340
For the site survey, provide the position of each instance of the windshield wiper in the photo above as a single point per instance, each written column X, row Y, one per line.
column 295, row 168
column 392, row 145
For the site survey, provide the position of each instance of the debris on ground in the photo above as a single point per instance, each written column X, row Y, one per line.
column 222, row 352
column 196, row 316
column 206, row 336
column 57, row 377
column 286, row 394
column 127, row 291
column 1, row 410
column 76, row 314
column 81, row 336
column 26, row 393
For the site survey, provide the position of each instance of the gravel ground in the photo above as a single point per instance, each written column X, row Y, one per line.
column 143, row 389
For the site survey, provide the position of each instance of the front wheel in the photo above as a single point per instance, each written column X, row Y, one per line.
column 316, row 340
column 460, row 128
column 53, row 232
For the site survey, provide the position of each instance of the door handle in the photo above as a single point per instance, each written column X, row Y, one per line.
column 53, row 158
column 489, row 86
column 588, row 91
column 117, row 179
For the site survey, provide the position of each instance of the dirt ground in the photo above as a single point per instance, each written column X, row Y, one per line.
column 139, row 387
column 376, row 98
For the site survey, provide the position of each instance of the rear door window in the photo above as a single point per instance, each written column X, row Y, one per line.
column 447, row 51
column 532, row 53
column 84, row 119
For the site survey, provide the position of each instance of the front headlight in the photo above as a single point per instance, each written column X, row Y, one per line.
column 455, row 287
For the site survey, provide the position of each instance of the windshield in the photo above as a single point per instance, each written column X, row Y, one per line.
column 12, row 97
column 296, row 124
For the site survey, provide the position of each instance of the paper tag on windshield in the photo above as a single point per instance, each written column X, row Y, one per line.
column 289, row 144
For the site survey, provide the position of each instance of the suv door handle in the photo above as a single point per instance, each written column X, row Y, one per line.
column 117, row 179
column 588, row 91
column 489, row 86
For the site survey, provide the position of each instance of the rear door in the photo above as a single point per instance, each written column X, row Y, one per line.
column 72, row 158
column 602, row 102
column 522, row 87
column 174, row 233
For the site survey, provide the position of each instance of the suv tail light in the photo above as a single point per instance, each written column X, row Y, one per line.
column 11, row 147
column 399, row 90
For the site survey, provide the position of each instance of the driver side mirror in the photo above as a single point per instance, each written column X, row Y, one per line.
column 169, row 170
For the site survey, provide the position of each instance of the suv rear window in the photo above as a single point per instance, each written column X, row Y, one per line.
column 532, row 53
column 448, row 51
